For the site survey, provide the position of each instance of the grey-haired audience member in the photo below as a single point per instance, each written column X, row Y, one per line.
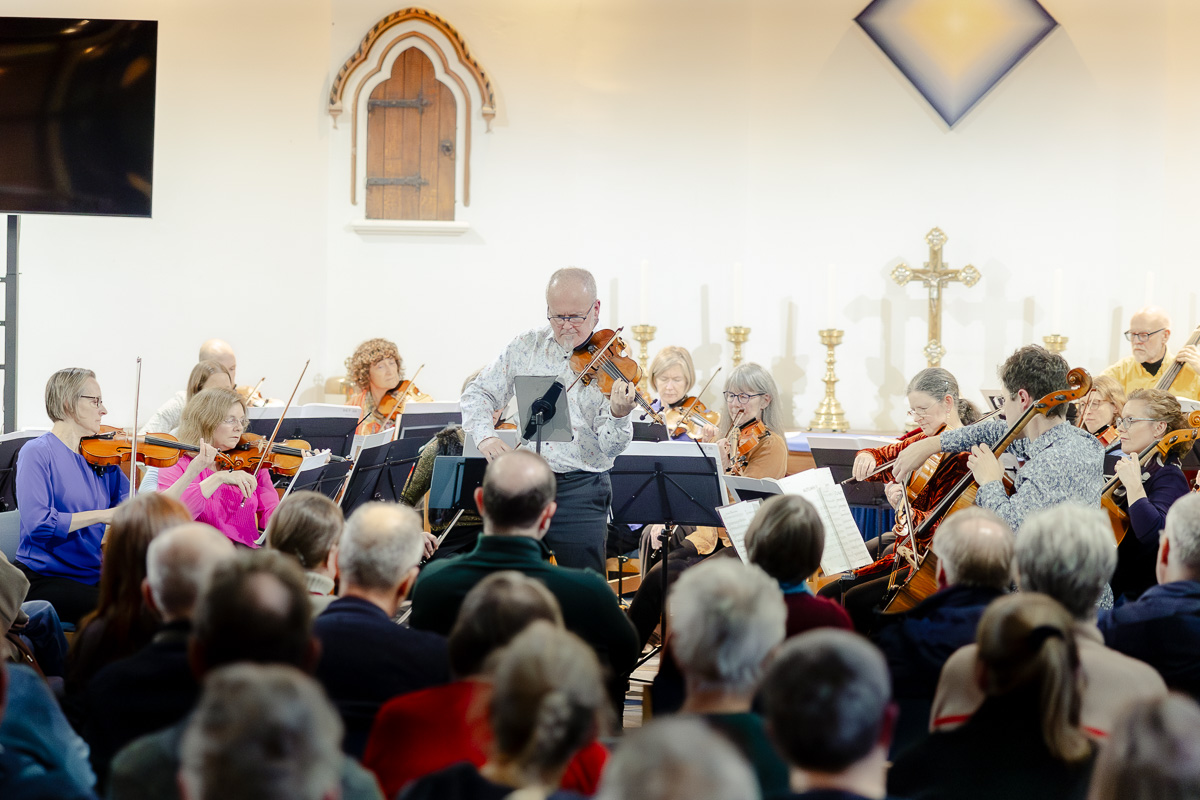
column 1152, row 753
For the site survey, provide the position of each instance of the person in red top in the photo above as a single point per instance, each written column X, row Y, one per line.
column 786, row 539
column 422, row 732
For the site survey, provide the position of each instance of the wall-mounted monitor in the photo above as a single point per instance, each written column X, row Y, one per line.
column 77, row 116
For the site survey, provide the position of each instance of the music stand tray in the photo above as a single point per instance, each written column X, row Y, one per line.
column 323, row 425
column 380, row 473
column 423, row 420
column 669, row 482
column 317, row 475
column 455, row 479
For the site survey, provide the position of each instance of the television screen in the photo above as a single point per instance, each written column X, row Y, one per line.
column 77, row 116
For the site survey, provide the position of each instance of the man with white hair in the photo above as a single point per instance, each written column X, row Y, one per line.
column 155, row 687
column 261, row 731
column 1066, row 552
column 366, row 658
column 602, row 426
column 1162, row 627
column 726, row 619
column 974, row 549
column 1149, row 330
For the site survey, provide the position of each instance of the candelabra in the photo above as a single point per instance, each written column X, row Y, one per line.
column 643, row 335
column 737, row 335
column 1055, row 343
column 829, row 416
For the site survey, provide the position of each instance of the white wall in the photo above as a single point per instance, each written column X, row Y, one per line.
column 692, row 133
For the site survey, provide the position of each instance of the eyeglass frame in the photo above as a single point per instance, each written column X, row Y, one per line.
column 741, row 397
column 242, row 424
column 569, row 319
column 1125, row 423
column 1142, row 338
column 96, row 401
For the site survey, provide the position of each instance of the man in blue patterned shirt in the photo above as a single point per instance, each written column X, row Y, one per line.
column 1062, row 463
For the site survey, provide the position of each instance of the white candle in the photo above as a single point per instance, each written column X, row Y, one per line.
column 737, row 293
column 831, row 297
column 644, row 316
column 1149, row 301
column 1056, row 305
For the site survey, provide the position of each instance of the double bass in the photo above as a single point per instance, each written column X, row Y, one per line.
column 923, row 581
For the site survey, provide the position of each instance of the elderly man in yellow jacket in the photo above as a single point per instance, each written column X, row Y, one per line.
column 1149, row 330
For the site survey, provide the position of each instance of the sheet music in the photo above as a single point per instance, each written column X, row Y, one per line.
column 800, row 482
column 371, row 440
column 737, row 519
column 844, row 546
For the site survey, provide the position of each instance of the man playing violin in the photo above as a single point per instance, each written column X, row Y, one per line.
column 1062, row 463
column 1149, row 330
column 602, row 426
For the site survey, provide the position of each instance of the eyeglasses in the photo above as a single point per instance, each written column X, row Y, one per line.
column 1130, row 336
column 741, row 398
column 96, row 401
column 919, row 413
column 1127, row 422
column 568, row 319
column 236, row 422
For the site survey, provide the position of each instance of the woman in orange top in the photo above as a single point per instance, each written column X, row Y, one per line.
column 375, row 369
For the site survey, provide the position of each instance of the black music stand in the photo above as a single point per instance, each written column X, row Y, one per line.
column 323, row 477
column 10, row 445
column 670, row 489
column 380, row 473
column 650, row 432
column 455, row 479
column 334, row 433
column 423, row 420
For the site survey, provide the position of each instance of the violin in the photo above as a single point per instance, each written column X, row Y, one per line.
column 749, row 438
column 252, row 453
column 690, row 417
column 1118, row 517
column 604, row 358
column 251, row 396
column 115, row 447
column 923, row 580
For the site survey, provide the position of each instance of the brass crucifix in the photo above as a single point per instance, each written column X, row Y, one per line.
column 935, row 275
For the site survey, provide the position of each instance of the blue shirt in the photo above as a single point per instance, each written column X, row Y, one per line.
column 53, row 483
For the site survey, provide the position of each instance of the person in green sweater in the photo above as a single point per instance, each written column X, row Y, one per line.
column 516, row 502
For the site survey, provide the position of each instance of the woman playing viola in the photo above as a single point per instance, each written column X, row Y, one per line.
column 376, row 369
column 1148, row 492
column 234, row 502
column 672, row 376
column 936, row 405
column 1100, row 407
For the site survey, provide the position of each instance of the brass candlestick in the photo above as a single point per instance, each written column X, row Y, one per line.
column 643, row 335
column 1055, row 343
column 829, row 416
column 737, row 335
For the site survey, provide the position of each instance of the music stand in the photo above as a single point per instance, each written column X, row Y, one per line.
column 318, row 475
column 650, row 432
column 10, row 445
column 556, row 428
column 323, row 425
column 752, row 488
column 380, row 473
column 674, row 483
column 454, row 481
column 837, row 451
column 426, row 419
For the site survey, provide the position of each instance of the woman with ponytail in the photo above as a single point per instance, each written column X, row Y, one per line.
column 1025, row 740
column 548, row 701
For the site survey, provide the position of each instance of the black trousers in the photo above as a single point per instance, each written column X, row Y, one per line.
column 580, row 525
column 71, row 599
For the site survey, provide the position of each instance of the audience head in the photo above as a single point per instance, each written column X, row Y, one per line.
column 220, row 351
column 548, row 701
column 207, row 375
column 1152, row 323
column 1179, row 545
column 786, row 539
column 1027, row 651
column 1152, row 753
column 255, row 608
column 828, row 701
column 495, row 610
column 205, row 412
column 517, row 496
column 380, row 550
column 1037, row 372
column 135, row 524
column 677, row 758
column 726, row 618
column 307, row 525
column 261, row 732
column 1067, row 552
column 974, row 548
column 179, row 563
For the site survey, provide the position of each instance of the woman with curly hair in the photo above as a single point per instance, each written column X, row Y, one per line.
column 375, row 369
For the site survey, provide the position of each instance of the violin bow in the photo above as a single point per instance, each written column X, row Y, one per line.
column 137, row 393
column 411, row 383
column 278, row 425
column 687, row 407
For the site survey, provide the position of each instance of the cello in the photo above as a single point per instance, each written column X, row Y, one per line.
column 923, row 581
column 1172, row 372
column 1119, row 517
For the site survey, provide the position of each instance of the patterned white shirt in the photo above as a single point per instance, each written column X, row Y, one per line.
column 1064, row 464
column 599, row 436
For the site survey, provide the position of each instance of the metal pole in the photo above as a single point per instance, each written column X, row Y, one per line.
column 10, row 325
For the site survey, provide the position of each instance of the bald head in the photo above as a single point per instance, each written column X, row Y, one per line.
column 179, row 563
column 975, row 548
column 220, row 351
column 572, row 280
column 571, row 292
column 518, row 488
column 1153, row 320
